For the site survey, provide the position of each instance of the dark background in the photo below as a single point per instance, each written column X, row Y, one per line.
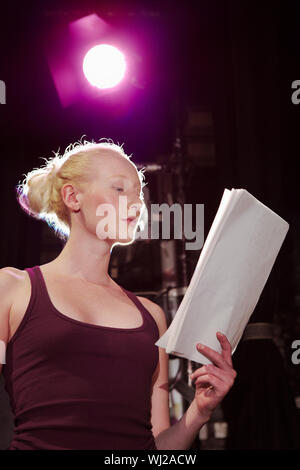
column 235, row 60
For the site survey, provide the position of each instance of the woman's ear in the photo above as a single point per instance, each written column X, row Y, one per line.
column 71, row 196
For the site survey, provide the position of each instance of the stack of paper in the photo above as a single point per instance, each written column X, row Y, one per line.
column 232, row 270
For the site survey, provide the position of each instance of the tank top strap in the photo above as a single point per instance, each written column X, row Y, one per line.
column 39, row 293
column 35, row 285
column 35, row 302
column 148, row 318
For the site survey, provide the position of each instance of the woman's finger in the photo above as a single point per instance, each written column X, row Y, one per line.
column 212, row 380
column 226, row 376
column 214, row 356
column 226, row 347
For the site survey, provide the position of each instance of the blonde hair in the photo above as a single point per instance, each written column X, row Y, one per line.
column 39, row 194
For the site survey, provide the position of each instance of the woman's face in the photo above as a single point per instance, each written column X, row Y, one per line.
column 113, row 195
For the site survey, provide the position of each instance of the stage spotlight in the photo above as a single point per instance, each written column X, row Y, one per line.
column 89, row 51
column 104, row 66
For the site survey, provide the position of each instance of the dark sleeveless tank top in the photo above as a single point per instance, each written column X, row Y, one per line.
column 75, row 385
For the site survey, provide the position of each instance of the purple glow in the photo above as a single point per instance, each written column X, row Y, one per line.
column 104, row 66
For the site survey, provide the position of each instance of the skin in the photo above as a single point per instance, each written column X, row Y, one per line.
column 213, row 381
column 85, row 258
column 85, row 255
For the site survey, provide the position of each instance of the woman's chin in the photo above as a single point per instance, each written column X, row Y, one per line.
column 125, row 236
column 129, row 238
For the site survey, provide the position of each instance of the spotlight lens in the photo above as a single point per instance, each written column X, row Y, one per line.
column 104, row 66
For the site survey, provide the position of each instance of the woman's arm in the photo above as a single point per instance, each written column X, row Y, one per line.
column 7, row 284
column 160, row 412
column 212, row 383
column 181, row 434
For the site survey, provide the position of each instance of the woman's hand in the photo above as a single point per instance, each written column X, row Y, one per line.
column 213, row 381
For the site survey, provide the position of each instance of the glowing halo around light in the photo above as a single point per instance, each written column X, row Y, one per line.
column 104, row 66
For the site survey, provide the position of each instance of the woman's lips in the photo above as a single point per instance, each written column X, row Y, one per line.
column 130, row 219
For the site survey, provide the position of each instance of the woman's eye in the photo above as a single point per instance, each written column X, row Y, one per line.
column 119, row 189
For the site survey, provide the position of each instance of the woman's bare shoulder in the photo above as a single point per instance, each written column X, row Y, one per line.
column 10, row 280
column 153, row 306
column 156, row 311
column 10, row 274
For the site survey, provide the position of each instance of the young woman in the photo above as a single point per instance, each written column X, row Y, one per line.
column 82, row 370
